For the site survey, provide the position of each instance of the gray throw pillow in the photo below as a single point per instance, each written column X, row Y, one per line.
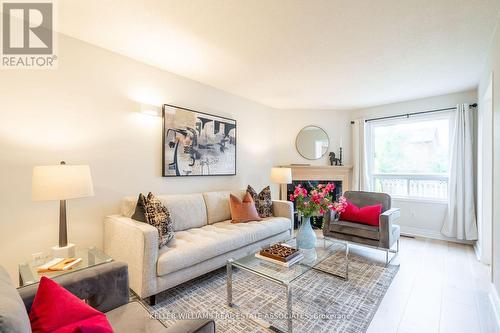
column 140, row 210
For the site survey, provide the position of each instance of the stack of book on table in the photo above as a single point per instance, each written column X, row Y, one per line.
column 59, row 264
column 282, row 254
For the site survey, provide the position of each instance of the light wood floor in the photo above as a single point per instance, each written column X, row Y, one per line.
column 440, row 287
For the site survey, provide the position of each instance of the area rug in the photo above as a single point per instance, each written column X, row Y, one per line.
column 321, row 302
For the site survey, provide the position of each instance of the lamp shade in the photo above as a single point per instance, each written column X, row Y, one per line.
column 281, row 175
column 61, row 182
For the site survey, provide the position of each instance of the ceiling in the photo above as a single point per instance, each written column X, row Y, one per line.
column 311, row 54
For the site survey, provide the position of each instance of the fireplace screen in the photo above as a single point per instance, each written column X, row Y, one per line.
column 316, row 221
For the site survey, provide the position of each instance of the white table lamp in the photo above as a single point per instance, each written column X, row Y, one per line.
column 281, row 176
column 62, row 182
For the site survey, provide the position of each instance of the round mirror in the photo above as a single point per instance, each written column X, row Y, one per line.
column 312, row 142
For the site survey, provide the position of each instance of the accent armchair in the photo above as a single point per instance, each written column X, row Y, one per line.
column 105, row 288
column 382, row 237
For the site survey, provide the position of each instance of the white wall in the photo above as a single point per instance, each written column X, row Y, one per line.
column 484, row 174
column 492, row 69
column 289, row 123
column 85, row 112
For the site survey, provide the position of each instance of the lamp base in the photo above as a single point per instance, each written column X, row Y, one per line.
column 67, row 251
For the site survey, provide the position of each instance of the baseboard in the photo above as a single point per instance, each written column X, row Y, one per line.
column 432, row 234
column 495, row 303
column 477, row 251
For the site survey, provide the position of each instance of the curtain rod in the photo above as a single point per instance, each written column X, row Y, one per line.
column 415, row 113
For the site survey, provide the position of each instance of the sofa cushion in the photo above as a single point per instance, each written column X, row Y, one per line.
column 362, row 199
column 196, row 245
column 186, row 210
column 13, row 315
column 355, row 229
column 128, row 206
column 217, row 204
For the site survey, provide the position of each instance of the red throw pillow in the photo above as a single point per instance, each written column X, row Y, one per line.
column 243, row 211
column 57, row 310
column 369, row 215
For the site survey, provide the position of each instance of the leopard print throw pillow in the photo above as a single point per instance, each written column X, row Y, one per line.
column 158, row 216
column 263, row 201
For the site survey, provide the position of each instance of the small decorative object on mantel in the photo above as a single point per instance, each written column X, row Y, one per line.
column 334, row 161
column 314, row 203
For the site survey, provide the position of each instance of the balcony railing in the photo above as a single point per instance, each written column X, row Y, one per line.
column 412, row 185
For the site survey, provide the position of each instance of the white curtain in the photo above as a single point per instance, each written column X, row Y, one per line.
column 460, row 221
column 360, row 180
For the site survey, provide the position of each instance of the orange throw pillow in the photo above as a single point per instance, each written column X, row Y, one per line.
column 243, row 211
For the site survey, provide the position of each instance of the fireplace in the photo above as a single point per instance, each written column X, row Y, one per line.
column 312, row 175
column 316, row 221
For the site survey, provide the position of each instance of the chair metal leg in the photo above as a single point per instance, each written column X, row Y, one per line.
column 387, row 251
column 387, row 261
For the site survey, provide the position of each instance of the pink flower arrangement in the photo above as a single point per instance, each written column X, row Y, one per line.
column 318, row 201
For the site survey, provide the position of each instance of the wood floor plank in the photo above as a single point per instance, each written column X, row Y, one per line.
column 440, row 287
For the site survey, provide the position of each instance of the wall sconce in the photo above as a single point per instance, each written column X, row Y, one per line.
column 151, row 110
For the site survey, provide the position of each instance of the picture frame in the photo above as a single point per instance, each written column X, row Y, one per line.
column 196, row 143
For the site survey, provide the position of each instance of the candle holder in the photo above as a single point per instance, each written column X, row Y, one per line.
column 340, row 157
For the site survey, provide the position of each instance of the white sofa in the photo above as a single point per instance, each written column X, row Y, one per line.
column 204, row 239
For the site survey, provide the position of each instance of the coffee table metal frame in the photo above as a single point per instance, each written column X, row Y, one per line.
column 284, row 283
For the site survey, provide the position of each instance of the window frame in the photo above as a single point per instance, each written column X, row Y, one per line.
column 370, row 153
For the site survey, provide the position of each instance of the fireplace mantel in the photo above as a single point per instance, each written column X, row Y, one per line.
column 320, row 172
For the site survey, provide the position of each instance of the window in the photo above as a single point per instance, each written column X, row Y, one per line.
column 409, row 157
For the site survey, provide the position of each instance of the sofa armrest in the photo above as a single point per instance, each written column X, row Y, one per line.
column 135, row 243
column 385, row 226
column 282, row 208
column 104, row 286
column 192, row 326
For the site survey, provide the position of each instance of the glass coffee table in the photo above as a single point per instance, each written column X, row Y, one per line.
column 283, row 275
column 90, row 257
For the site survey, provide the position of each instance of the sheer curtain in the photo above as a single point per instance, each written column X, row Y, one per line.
column 460, row 221
column 360, row 180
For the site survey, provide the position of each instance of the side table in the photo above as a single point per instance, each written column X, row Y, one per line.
column 90, row 257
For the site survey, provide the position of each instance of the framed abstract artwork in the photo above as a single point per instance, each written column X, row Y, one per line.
column 197, row 143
